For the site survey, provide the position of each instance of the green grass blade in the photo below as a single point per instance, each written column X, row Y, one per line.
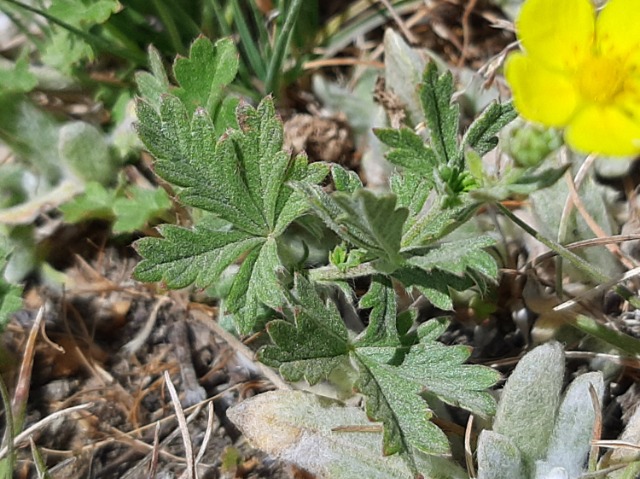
column 282, row 43
column 6, row 465
column 247, row 42
column 166, row 16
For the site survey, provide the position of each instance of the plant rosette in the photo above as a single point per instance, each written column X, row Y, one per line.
column 580, row 70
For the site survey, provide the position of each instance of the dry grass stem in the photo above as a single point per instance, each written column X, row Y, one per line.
column 153, row 467
column 239, row 347
column 191, row 472
column 141, row 337
column 468, row 452
column 597, row 427
column 24, row 435
column 23, row 385
column 398, row 21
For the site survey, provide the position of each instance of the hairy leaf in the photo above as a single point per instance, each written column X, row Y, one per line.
column 243, row 179
column 441, row 371
column 409, row 151
column 202, row 77
column 17, row 79
column 481, row 135
column 390, row 398
column 460, row 257
column 204, row 74
column 529, row 401
column 363, row 219
column 498, row 457
column 314, row 432
column 10, row 294
column 83, row 12
column 95, row 202
column 436, row 224
column 382, row 329
column 134, row 211
column 393, row 384
column 434, row 284
column 152, row 85
column 313, row 345
column 412, row 190
column 185, row 256
column 345, row 180
column 257, row 283
column 397, row 403
column 442, row 116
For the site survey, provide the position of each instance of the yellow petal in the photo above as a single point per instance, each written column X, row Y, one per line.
column 557, row 32
column 618, row 30
column 605, row 130
column 539, row 94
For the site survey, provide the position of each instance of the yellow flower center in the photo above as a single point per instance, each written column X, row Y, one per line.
column 600, row 79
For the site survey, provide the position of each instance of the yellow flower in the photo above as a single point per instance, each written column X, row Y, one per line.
column 580, row 71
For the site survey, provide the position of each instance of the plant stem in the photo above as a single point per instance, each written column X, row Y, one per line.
column 282, row 43
column 571, row 257
column 332, row 273
column 619, row 340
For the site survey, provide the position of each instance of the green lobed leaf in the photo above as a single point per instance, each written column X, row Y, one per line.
column 83, row 12
column 152, row 85
column 140, row 206
column 442, row 116
column 364, row 219
column 18, row 79
column 95, row 202
column 393, row 380
column 184, row 256
column 390, row 397
column 345, row 180
column 84, row 149
column 202, row 77
column 437, row 223
column 314, row 344
column 263, row 163
column 462, row 257
column 292, row 204
column 481, row 135
column 205, row 73
column 412, row 190
column 409, row 151
column 243, row 179
column 441, row 371
column 257, row 283
column 240, row 178
column 397, row 403
column 10, row 294
column 434, row 284
column 382, row 329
